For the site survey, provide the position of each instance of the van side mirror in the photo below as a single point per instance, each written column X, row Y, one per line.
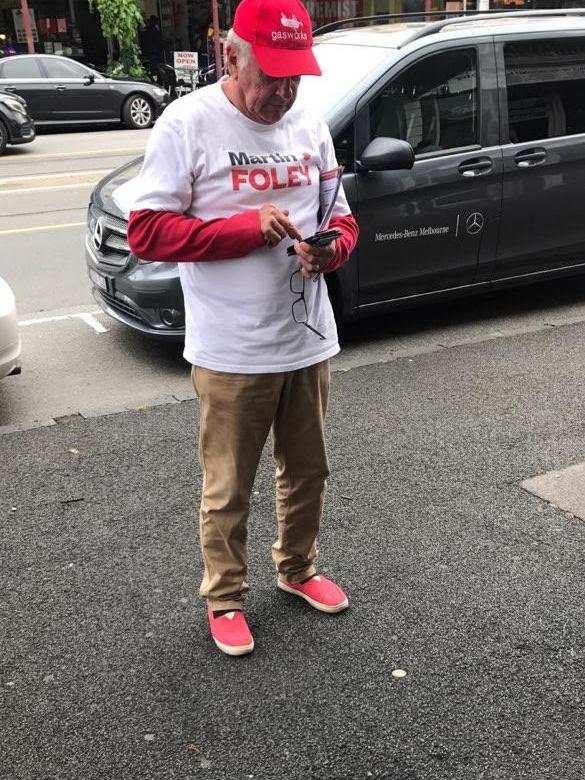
column 89, row 79
column 386, row 154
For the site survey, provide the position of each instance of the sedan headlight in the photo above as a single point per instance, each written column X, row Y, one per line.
column 159, row 92
column 16, row 105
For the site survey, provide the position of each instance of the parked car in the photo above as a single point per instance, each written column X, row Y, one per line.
column 9, row 333
column 16, row 124
column 60, row 91
column 491, row 108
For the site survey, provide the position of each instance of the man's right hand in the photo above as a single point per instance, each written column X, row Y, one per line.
column 275, row 225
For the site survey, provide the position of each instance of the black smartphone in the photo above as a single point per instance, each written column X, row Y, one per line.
column 318, row 239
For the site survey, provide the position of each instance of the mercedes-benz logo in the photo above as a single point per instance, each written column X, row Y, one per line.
column 474, row 223
column 98, row 234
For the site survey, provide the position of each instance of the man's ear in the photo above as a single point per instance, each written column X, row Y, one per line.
column 231, row 60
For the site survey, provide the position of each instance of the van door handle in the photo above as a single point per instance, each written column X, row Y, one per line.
column 9, row 89
column 529, row 157
column 475, row 167
column 60, row 88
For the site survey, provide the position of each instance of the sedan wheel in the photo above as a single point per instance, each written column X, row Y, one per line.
column 137, row 112
column 3, row 138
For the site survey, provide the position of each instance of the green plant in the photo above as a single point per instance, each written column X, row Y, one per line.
column 121, row 20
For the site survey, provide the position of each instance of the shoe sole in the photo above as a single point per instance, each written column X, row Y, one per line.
column 315, row 604
column 234, row 650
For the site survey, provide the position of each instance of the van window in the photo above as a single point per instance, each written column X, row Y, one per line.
column 433, row 104
column 545, row 82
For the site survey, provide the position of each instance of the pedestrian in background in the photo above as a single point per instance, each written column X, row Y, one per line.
column 231, row 177
column 151, row 44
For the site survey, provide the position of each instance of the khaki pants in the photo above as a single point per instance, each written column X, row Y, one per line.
column 237, row 412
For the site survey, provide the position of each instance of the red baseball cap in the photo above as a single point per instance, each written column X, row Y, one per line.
column 280, row 34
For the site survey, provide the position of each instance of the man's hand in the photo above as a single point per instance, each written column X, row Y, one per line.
column 313, row 258
column 275, row 225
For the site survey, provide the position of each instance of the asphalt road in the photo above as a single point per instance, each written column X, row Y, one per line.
column 457, row 577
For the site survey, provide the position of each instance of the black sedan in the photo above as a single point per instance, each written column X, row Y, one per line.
column 16, row 125
column 60, row 91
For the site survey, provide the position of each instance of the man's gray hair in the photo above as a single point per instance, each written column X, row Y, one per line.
column 243, row 47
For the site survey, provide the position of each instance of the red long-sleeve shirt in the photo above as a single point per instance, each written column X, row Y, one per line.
column 169, row 237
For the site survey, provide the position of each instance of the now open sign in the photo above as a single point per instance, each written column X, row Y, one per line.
column 186, row 61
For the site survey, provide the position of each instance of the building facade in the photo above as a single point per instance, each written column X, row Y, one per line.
column 71, row 27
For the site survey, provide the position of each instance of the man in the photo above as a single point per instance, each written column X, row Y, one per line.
column 151, row 43
column 231, row 178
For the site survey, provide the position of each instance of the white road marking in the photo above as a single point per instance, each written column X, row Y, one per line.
column 19, row 183
column 23, row 190
column 87, row 317
column 54, row 175
column 93, row 323
column 81, row 155
column 40, row 227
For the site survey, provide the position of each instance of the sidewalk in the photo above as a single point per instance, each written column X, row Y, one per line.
column 456, row 574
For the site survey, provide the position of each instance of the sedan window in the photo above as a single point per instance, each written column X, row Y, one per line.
column 20, row 68
column 64, row 69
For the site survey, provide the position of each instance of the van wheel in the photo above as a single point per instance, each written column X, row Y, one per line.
column 3, row 138
column 137, row 112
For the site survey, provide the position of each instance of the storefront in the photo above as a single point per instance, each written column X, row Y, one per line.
column 65, row 27
column 71, row 27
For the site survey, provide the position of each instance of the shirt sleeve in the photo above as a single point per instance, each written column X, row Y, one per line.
column 345, row 244
column 168, row 237
column 158, row 198
column 165, row 181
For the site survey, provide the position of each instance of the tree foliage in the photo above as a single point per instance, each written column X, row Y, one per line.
column 121, row 20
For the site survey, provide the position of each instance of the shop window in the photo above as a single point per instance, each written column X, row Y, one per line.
column 433, row 104
column 546, row 89
column 20, row 68
column 63, row 69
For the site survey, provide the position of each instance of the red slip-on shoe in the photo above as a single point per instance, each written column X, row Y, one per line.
column 230, row 632
column 319, row 592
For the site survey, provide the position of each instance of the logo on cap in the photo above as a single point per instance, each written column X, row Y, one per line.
column 291, row 22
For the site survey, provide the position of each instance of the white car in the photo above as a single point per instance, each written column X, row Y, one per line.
column 9, row 333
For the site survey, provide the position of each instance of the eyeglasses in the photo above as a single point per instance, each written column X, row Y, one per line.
column 299, row 305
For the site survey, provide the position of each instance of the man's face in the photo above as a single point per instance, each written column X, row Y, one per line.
column 265, row 99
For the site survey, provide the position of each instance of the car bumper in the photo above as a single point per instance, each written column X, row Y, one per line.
column 10, row 345
column 23, row 134
column 160, row 107
column 146, row 297
column 21, row 128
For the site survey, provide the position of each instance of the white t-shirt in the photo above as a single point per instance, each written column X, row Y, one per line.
column 206, row 159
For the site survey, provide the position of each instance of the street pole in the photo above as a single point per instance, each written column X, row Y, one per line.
column 27, row 28
column 216, row 39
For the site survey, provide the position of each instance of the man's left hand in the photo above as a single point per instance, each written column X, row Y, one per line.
column 313, row 258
